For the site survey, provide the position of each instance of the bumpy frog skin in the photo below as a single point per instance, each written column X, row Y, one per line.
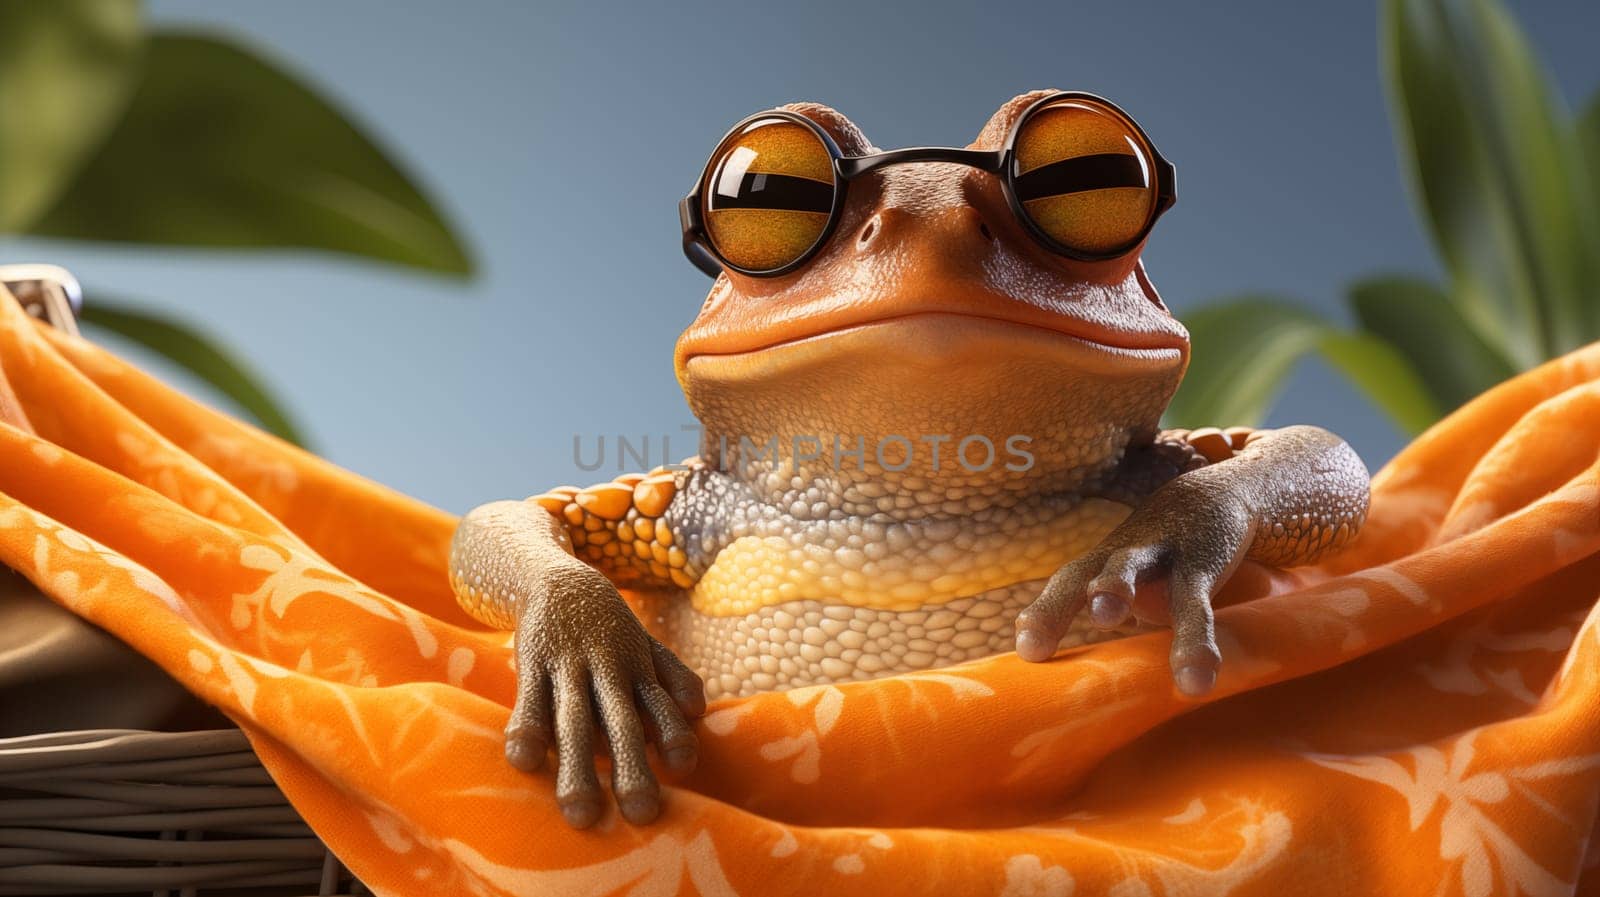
column 929, row 313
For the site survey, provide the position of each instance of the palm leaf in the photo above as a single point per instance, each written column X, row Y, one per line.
column 1539, row 151
column 1589, row 142
column 219, row 147
column 1418, row 319
column 1493, row 165
column 66, row 69
column 1244, row 350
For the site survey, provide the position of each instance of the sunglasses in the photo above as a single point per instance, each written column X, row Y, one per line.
column 1079, row 174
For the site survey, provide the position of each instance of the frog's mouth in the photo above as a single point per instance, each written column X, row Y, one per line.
column 937, row 338
column 937, row 372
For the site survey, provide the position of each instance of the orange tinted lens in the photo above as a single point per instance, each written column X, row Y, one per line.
column 768, row 194
column 1084, row 176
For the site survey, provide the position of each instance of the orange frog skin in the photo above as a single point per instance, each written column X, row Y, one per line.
column 806, row 544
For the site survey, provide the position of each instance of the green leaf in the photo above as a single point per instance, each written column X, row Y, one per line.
column 1454, row 361
column 66, row 68
column 198, row 354
column 1549, row 182
column 1495, row 168
column 1384, row 375
column 1589, row 141
column 1245, row 349
column 221, row 148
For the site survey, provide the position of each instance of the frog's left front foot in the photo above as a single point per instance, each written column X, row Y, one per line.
column 1161, row 565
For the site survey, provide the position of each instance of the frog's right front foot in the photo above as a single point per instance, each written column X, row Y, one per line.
column 584, row 662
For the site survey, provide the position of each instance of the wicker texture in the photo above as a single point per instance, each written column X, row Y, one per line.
column 114, row 811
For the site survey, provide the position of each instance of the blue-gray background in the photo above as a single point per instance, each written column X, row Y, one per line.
column 559, row 138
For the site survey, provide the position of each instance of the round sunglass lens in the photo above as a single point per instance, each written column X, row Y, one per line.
column 768, row 193
column 1084, row 177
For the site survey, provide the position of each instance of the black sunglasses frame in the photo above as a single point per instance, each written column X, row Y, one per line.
column 703, row 254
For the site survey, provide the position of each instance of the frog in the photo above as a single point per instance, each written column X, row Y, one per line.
column 929, row 387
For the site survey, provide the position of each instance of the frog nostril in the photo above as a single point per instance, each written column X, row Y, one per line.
column 968, row 216
column 867, row 232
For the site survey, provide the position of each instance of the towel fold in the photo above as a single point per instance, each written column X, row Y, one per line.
column 1416, row 716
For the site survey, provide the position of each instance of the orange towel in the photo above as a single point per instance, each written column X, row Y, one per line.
column 1416, row 717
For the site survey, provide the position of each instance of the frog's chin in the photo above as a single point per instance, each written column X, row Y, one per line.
column 928, row 375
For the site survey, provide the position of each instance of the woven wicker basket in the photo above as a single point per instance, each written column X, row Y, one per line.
column 115, row 811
